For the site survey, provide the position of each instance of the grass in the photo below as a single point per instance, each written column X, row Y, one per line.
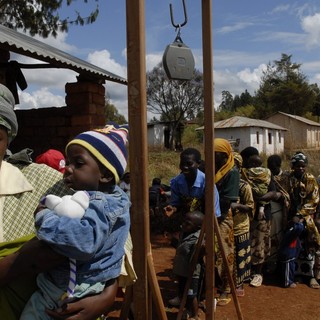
column 164, row 164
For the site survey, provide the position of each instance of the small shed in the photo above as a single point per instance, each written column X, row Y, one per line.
column 158, row 134
column 242, row 132
column 302, row 133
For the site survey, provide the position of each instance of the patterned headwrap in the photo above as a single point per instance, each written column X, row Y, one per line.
column 299, row 157
column 223, row 145
column 108, row 145
column 237, row 156
column 8, row 117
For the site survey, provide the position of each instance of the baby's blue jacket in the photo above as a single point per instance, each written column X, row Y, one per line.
column 96, row 240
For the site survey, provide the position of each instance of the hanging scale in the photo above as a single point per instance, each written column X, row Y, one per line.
column 178, row 61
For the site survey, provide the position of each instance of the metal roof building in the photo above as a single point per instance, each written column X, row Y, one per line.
column 242, row 132
column 25, row 45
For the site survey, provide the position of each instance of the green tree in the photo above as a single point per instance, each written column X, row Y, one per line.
column 284, row 88
column 112, row 115
column 236, row 102
column 226, row 101
column 316, row 105
column 41, row 16
column 245, row 99
column 174, row 100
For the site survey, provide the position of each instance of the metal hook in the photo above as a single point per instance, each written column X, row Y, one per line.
column 185, row 16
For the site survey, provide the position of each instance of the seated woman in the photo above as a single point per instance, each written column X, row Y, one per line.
column 22, row 187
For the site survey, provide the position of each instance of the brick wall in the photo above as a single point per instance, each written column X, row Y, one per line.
column 52, row 128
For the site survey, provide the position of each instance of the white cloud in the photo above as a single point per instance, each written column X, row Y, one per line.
column 311, row 25
column 281, row 37
column 252, row 78
column 103, row 60
column 281, row 8
column 152, row 60
column 236, row 82
column 59, row 42
column 41, row 98
column 235, row 27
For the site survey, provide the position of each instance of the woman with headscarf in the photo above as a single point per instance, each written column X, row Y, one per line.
column 21, row 188
column 263, row 191
column 227, row 180
column 304, row 198
column 279, row 209
column 243, row 215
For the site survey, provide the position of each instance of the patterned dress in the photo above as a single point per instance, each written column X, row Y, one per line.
column 260, row 180
column 241, row 227
column 304, row 197
column 228, row 188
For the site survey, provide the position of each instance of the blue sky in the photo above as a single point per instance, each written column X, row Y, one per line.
column 246, row 36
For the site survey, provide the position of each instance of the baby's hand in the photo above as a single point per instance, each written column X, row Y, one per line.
column 39, row 208
column 261, row 214
column 169, row 210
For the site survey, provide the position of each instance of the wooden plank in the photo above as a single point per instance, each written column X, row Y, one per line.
column 209, row 152
column 138, row 160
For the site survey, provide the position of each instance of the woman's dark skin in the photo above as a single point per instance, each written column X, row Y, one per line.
column 89, row 307
column 35, row 257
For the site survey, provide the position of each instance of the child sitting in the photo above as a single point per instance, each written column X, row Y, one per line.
column 289, row 251
column 181, row 264
column 95, row 161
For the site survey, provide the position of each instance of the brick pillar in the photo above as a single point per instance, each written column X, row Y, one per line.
column 85, row 103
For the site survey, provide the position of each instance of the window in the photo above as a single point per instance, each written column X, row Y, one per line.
column 279, row 134
column 258, row 137
column 269, row 138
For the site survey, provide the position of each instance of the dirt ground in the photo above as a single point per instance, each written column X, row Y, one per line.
column 268, row 302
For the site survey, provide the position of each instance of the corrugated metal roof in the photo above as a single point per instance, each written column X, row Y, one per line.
column 21, row 43
column 304, row 120
column 239, row 122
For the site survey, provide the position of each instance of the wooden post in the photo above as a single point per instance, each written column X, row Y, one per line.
column 209, row 153
column 137, row 106
column 229, row 275
column 147, row 283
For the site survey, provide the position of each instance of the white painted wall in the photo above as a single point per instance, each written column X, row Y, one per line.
column 248, row 137
column 155, row 134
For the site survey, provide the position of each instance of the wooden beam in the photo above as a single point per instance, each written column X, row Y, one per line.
column 137, row 108
column 209, row 152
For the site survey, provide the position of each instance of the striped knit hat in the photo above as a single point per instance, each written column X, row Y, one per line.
column 108, row 145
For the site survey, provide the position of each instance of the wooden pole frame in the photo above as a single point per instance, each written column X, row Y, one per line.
column 147, row 286
column 209, row 152
column 138, row 159
column 137, row 116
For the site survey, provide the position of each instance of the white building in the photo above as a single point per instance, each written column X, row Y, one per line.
column 302, row 133
column 242, row 132
column 158, row 134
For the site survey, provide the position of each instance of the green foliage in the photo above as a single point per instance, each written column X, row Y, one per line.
column 246, row 111
column 112, row 115
column 41, row 16
column 191, row 137
column 226, row 102
column 284, row 88
column 163, row 164
column 232, row 104
column 309, row 115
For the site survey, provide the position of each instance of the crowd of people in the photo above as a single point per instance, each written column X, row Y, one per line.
column 269, row 221
column 268, row 218
column 38, row 245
